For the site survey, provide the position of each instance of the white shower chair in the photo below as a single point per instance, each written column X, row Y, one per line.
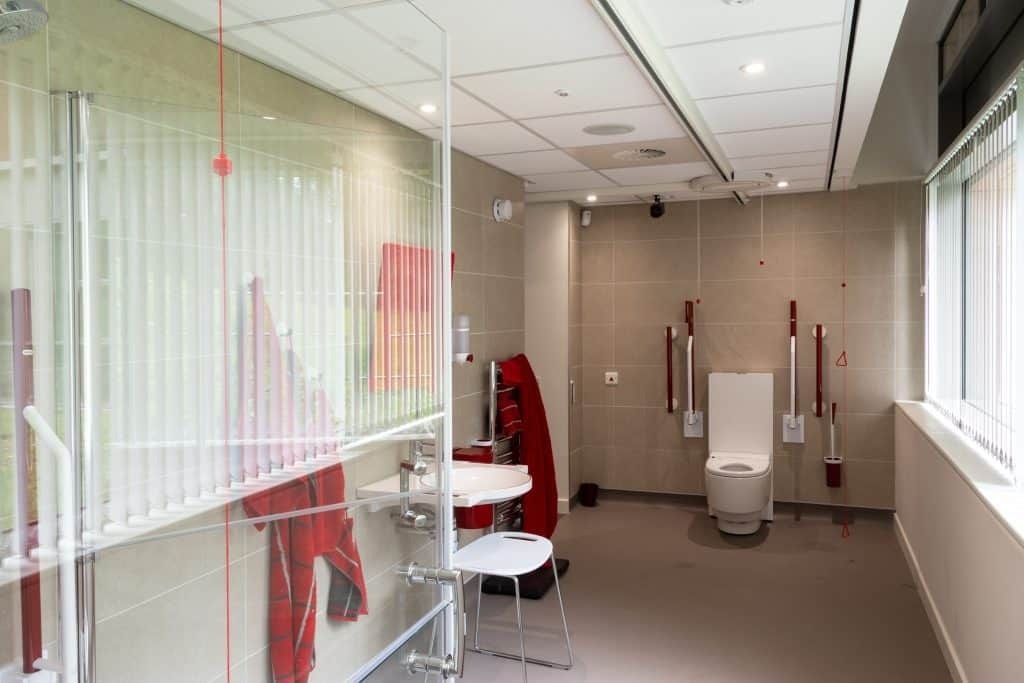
column 511, row 554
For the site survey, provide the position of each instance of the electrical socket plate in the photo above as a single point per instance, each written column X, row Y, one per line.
column 792, row 433
column 611, row 379
column 695, row 430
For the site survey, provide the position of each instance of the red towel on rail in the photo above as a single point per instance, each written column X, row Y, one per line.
column 540, row 504
column 295, row 543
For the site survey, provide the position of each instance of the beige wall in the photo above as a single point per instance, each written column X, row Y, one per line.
column 575, row 355
column 636, row 273
column 488, row 283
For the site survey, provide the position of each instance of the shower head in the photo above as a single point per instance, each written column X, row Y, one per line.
column 20, row 19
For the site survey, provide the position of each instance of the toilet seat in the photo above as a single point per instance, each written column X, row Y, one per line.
column 738, row 465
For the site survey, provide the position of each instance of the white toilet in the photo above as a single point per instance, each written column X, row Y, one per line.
column 738, row 472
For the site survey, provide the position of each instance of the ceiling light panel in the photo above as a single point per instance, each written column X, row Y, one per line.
column 776, row 141
column 493, row 35
column 496, row 138
column 365, row 54
column 648, row 123
column 529, row 93
column 558, row 182
column 531, row 163
column 694, row 21
column 793, row 59
column 651, row 175
column 770, row 109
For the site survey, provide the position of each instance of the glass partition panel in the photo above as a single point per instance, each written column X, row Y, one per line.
column 231, row 270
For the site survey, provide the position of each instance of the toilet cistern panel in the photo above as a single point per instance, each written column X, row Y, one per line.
column 740, row 412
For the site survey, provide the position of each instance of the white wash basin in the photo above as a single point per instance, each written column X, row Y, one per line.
column 473, row 484
column 484, row 483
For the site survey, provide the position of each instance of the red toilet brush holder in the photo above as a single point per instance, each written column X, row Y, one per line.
column 833, row 472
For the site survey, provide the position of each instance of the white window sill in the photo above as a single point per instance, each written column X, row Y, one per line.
column 991, row 484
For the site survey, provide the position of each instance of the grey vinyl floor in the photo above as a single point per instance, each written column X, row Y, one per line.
column 656, row 593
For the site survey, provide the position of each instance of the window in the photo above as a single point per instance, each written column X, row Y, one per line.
column 975, row 270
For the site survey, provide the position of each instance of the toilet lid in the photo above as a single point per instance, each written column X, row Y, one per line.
column 738, row 464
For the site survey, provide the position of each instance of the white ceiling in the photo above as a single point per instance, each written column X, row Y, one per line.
column 510, row 59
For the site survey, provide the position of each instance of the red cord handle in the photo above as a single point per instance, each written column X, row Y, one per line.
column 792, row 318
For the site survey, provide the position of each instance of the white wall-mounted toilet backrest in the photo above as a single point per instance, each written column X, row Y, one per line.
column 740, row 409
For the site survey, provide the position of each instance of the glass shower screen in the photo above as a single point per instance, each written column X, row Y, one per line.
column 230, row 266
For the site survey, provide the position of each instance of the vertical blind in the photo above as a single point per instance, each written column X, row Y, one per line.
column 974, row 277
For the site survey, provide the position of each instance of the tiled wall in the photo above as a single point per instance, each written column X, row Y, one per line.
column 488, row 283
column 636, row 273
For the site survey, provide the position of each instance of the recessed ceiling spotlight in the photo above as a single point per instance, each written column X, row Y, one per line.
column 609, row 129
column 269, row 118
column 562, row 92
column 753, row 68
column 591, row 197
column 782, row 184
column 428, row 108
column 738, row 3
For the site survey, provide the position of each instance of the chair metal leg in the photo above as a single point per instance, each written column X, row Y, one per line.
column 561, row 606
column 479, row 599
column 519, row 620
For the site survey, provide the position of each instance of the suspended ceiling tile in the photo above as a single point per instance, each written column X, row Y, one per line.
column 651, row 175
column 496, row 138
column 270, row 47
column 557, row 182
column 268, row 10
column 776, row 141
column 465, row 108
column 530, row 163
column 340, row 41
column 676, row 22
column 774, row 109
column 567, row 131
column 807, row 185
column 792, row 59
column 379, row 102
column 606, row 83
column 406, row 27
column 793, row 173
column 597, row 157
column 777, row 161
column 492, row 35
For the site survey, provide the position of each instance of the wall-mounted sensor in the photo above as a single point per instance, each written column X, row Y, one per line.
column 502, row 210
column 585, row 217
column 657, row 207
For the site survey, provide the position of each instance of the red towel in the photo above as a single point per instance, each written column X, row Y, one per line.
column 295, row 543
column 508, row 414
column 540, row 504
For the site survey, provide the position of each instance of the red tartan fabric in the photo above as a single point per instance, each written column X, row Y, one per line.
column 540, row 504
column 295, row 543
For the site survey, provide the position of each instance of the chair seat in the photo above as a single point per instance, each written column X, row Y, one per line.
column 504, row 553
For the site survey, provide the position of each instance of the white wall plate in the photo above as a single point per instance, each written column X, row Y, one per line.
column 792, row 432
column 695, row 430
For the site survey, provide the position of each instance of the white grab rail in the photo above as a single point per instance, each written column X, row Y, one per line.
column 690, row 416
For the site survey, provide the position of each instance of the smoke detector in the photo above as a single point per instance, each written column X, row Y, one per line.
column 639, row 154
column 609, row 129
column 714, row 183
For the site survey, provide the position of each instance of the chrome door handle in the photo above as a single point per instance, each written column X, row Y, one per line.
column 448, row 666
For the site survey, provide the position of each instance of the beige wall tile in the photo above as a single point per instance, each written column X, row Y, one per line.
column 739, row 258
column 634, row 222
column 870, row 253
column 655, row 261
column 731, row 348
column 818, row 255
column 596, row 262
column 644, row 344
column 504, row 305
column 503, row 248
column 467, row 242
column 745, row 301
column 597, row 304
column 659, row 303
column 602, row 225
column 597, row 345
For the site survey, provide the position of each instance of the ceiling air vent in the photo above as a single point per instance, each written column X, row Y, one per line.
column 609, row 129
column 639, row 154
column 713, row 183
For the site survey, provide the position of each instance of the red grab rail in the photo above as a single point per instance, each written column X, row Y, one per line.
column 818, row 334
column 668, row 366
column 690, row 344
